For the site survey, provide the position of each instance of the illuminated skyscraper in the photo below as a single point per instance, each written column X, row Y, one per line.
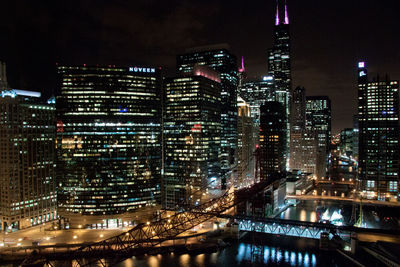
column 272, row 139
column 298, row 109
column 247, row 139
column 192, row 131
column 378, row 116
column 27, row 160
column 219, row 58
column 279, row 65
column 348, row 141
column 109, row 141
column 256, row 93
column 318, row 121
column 303, row 142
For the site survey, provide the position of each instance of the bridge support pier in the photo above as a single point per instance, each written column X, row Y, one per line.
column 354, row 243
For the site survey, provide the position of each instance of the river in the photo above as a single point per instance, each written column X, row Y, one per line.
column 382, row 217
column 282, row 252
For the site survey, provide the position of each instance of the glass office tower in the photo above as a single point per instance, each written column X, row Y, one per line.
column 256, row 93
column 219, row 58
column 318, row 122
column 109, row 140
column 272, row 140
column 192, row 131
column 379, row 151
column 279, row 66
column 27, row 160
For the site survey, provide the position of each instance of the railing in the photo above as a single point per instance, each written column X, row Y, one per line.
column 146, row 235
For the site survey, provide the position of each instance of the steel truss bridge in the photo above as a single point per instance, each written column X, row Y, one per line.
column 291, row 228
column 299, row 228
column 146, row 235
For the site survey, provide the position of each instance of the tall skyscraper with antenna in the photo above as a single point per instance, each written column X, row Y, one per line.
column 279, row 64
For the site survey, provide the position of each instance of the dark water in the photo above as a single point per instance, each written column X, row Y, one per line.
column 382, row 217
column 279, row 252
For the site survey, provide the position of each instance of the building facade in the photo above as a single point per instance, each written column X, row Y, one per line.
column 256, row 93
column 303, row 141
column 192, row 132
column 279, row 66
column 247, row 141
column 272, row 140
column 219, row 58
column 318, row 121
column 304, row 151
column 341, row 166
column 348, row 141
column 27, row 160
column 109, row 141
column 379, row 151
column 298, row 107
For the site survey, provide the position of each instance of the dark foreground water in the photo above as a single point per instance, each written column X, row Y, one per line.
column 274, row 252
column 381, row 217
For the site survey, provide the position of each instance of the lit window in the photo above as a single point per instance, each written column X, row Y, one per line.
column 370, row 183
column 392, row 187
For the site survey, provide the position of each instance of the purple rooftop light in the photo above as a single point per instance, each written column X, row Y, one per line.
column 277, row 14
column 286, row 15
column 242, row 69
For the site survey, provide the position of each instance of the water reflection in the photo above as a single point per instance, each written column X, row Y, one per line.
column 199, row 259
column 153, row 261
column 303, row 215
column 276, row 255
column 313, row 216
column 184, row 260
column 233, row 256
column 213, row 258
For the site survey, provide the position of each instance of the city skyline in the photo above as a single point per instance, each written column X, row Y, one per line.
column 199, row 133
column 123, row 34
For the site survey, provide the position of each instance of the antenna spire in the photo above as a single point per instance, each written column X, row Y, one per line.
column 277, row 14
column 242, row 69
column 286, row 14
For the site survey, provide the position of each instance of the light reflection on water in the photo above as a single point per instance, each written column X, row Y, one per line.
column 199, row 259
column 273, row 255
column 313, row 216
column 153, row 261
column 236, row 255
column 303, row 215
column 184, row 260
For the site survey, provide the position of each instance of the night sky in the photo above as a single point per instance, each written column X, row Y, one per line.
column 327, row 37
